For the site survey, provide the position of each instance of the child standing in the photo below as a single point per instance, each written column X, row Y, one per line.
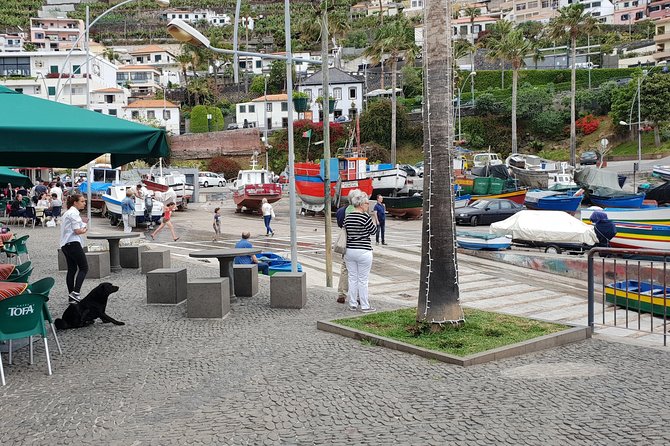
column 217, row 223
column 166, row 221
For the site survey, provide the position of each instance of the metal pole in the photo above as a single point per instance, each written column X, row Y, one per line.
column 89, row 194
column 291, row 146
column 326, row 148
column 88, row 62
column 459, row 113
column 236, row 65
column 265, row 116
column 591, row 296
column 639, row 122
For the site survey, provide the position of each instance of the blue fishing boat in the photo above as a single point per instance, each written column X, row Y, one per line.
column 552, row 201
column 479, row 241
column 619, row 201
column 276, row 263
column 642, row 296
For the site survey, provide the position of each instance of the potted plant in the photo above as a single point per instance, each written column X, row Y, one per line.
column 300, row 101
column 331, row 103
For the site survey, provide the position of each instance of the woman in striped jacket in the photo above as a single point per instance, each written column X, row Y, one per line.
column 360, row 228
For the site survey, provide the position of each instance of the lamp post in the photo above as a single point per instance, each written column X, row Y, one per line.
column 460, row 89
column 639, row 123
column 209, row 122
column 265, row 118
column 186, row 33
column 162, row 3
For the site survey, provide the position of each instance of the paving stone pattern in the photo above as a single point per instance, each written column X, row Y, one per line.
column 267, row 376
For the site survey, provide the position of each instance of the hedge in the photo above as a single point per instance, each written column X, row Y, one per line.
column 490, row 79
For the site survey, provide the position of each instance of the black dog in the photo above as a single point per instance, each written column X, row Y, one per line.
column 90, row 308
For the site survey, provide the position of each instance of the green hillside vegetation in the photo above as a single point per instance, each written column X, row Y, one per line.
column 15, row 13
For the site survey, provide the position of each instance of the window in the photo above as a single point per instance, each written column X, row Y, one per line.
column 76, row 69
column 464, row 29
column 53, row 69
column 15, row 66
column 309, row 95
column 97, row 110
column 284, row 106
column 243, row 108
column 320, row 92
column 268, row 107
column 522, row 6
column 109, row 98
column 626, row 4
column 352, row 92
column 625, row 17
column 284, row 122
column 639, row 15
column 259, row 64
column 139, row 59
column 112, row 112
column 158, row 58
column 269, row 124
column 135, row 114
column 18, row 90
column 532, row 5
column 337, row 93
column 151, row 114
column 166, row 115
column 252, row 109
column 52, row 91
column 595, row 4
column 476, row 29
column 545, row 3
column 417, row 3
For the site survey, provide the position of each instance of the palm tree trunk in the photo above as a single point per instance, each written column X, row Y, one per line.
column 382, row 78
column 515, row 79
column 657, row 136
column 573, row 89
column 439, row 300
column 394, row 108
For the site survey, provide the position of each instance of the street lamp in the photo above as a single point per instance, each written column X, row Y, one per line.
column 460, row 89
column 640, row 79
column 186, row 33
column 209, row 122
column 162, row 3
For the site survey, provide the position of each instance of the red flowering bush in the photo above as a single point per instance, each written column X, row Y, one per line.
column 227, row 166
column 588, row 124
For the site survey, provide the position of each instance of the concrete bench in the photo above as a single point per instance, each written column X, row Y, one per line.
column 130, row 255
column 166, row 286
column 208, row 297
column 62, row 263
column 155, row 259
column 288, row 290
column 246, row 280
column 98, row 264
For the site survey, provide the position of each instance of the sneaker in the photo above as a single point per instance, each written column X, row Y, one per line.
column 352, row 308
column 341, row 300
column 383, row 243
column 368, row 310
column 73, row 298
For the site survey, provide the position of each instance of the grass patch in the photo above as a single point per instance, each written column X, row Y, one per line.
column 629, row 148
column 482, row 330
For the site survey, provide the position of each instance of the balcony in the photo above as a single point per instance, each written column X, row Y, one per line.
column 662, row 38
column 661, row 55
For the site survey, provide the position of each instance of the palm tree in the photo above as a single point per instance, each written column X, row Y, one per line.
column 395, row 36
column 514, row 48
column 500, row 28
column 571, row 23
column 439, row 300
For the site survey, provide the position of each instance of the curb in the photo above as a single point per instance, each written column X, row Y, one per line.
column 574, row 334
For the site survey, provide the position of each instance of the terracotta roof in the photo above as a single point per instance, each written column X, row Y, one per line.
column 483, row 18
column 108, row 90
column 272, row 97
column 135, row 67
column 151, row 103
column 149, row 49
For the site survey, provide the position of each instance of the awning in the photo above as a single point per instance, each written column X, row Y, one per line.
column 38, row 133
column 9, row 176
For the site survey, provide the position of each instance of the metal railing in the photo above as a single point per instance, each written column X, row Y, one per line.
column 633, row 290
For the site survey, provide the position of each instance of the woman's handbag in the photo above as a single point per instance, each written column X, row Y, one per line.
column 341, row 242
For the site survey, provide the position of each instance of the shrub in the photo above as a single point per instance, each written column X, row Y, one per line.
column 227, row 166
column 487, row 79
column 199, row 119
column 217, row 119
column 588, row 124
column 548, row 123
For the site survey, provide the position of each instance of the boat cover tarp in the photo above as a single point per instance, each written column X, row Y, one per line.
column 545, row 226
column 660, row 193
column 601, row 183
column 97, row 187
column 500, row 171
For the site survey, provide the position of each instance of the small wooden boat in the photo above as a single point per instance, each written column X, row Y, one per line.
column 622, row 201
column 251, row 186
column 641, row 236
column 662, row 172
column 645, row 215
column 642, row 296
column 479, row 241
column 517, row 196
column 552, row 201
column 386, row 179
column 408, row 207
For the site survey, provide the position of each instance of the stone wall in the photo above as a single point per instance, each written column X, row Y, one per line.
column 233, row 143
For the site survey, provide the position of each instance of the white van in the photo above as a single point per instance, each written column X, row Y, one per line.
column 486, row 159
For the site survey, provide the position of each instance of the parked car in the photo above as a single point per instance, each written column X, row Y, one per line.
column 419, row 168
column 486, row 212
column 206, row 179
column 589, row 158
column 233, row 126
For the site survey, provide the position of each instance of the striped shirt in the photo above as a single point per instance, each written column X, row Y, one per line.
column 359, row 228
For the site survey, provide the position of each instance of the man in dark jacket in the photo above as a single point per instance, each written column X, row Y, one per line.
column 605, row 229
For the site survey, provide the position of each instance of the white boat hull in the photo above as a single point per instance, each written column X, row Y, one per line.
column 388, row 181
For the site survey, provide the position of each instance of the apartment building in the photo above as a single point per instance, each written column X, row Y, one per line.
column 602, row 10
column 628, row 12
column 161, row 59
column 198, row 15
column 160, row 112
column 56, row 34
column 658, row 9
column 522, row 11
column 269, row 112
column 662, row 40
column 11, row 42
column 141, row 80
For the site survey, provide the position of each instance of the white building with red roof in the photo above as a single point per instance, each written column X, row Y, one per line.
column 156, row 112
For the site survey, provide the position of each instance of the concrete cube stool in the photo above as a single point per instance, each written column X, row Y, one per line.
column 62, row 263
column 166, row 286
column 98, row 264
column 154, row 259
column 288, row 290
column 246, row 280
column 208, row 297
column 130, row 255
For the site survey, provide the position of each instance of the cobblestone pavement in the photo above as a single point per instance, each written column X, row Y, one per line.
column 266, row 376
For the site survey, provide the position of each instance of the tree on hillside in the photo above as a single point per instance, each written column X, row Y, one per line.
column 472, row 13
column 498, row 30
column 514, row 48
column 572, row 23
column 396, row 37
column 655, row 102
column 439, row 300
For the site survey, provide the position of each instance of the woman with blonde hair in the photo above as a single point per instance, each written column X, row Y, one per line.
column 360, row 228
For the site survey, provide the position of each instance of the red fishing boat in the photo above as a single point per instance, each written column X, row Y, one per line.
column 252, row 185
column 347, row 173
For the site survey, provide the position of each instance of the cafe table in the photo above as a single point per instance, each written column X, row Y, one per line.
column 113, row 238
column 225, row 258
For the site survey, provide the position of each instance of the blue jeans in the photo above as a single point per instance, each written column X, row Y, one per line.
column 267, row 219
column 381, row 229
